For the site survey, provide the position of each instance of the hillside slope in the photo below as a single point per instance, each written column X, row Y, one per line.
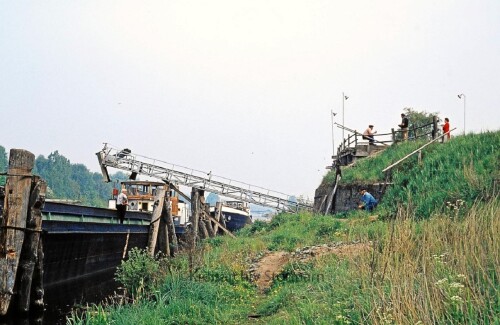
column 443, row 269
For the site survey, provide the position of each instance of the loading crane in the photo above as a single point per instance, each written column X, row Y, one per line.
column 125, row 160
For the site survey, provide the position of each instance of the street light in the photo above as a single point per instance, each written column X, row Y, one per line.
column 333, row 139
column 460, row 96
column 344, row 98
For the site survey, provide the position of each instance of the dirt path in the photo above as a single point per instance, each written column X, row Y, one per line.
column 271, row 264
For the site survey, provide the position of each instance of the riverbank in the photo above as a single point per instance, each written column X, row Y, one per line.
column 428, row 254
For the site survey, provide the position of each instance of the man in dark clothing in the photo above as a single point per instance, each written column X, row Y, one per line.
column 404, row 126
column 121, row 205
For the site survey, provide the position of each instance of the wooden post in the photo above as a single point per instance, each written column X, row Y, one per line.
column 332, row 195
column 172, row 238
column 29, row 255
column 414, row 132
column 393, row 135
column 434, row 127
column 208, row 222
column 155, row 220
column 218, row 210
column 163, row 234
column 195, row 207
column 201, row 220
column 221, row 227
column 17, row 193
column 37, row 291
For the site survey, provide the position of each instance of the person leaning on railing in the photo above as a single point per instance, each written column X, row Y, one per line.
column 369, row 133
column 404, row 126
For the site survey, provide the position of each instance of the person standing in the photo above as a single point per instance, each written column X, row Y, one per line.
column 369, row 202
column 369, row 133
column 404, row 126
column 446, row 130
column 121, row 205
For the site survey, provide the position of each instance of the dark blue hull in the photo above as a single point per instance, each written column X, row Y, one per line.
column 235, row 220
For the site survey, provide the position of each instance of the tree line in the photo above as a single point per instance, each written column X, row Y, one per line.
column 68, row 181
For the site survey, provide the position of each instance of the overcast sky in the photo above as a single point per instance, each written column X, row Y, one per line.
column 240, row 88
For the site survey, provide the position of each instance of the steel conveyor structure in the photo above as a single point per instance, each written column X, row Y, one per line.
column 170, row 173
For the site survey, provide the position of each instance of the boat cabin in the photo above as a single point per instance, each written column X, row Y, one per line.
column 141, row 197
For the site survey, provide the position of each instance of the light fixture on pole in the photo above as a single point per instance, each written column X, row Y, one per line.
column 333, row 138
column 463, row 96
column 344, row 98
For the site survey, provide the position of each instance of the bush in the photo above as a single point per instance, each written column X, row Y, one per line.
column 140, row 273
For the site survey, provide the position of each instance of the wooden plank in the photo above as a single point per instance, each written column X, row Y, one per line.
column 218, row 211
column 220, row 226
column 332, row 194
column 29, row 255
column 155, row 220
column 17, row 193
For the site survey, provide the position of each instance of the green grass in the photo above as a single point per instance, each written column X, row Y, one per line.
column 465, row 168
column 429, row 263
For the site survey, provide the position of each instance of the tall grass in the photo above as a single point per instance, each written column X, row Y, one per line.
column 438, row 271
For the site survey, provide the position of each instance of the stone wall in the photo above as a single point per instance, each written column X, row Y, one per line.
column 347, row 196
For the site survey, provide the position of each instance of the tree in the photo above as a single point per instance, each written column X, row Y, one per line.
column 421, row 120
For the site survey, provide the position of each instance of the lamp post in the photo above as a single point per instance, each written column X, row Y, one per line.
column 460, row 96
column 333, row 138
column 344, row 98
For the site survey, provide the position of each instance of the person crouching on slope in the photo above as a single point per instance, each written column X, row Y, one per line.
column 369, row 202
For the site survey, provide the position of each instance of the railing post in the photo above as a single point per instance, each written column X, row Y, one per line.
column 434, row 126
column 393, row 135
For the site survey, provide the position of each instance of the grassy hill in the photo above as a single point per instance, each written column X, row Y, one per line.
column 426, row 262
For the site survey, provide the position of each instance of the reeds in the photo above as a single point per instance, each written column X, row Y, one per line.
column 438, row 271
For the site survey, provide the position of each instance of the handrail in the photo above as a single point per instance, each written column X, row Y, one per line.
column 414, row 152
column 345, row 145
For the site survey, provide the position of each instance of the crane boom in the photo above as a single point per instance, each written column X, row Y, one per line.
column 170, row 173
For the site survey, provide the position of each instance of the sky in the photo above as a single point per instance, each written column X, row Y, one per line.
column 244, row 89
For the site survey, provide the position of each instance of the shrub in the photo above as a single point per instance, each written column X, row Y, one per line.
column 139, row 273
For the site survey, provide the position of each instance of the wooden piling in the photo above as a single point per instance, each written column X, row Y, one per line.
column 17, row 194
column 208, row 222
column 37, row 290
column 163, row 242
column 29, row 255
column 203, row 232
column 195, row 208
column 221, row 226
column 172, row 238
column 218, row 210
column 155, row 220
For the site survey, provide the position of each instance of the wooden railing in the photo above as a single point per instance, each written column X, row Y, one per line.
column 415, row 132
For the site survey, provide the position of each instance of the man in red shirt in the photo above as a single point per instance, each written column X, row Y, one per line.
column 446, row 129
